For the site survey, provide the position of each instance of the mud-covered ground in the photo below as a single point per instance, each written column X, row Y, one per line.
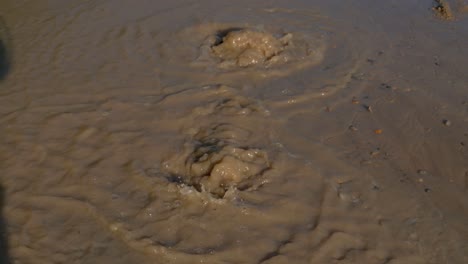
column 234, row 131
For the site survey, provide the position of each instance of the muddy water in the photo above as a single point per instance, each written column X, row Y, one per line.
column 237, row 132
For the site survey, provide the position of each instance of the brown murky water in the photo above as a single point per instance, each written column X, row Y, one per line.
column 233, row 132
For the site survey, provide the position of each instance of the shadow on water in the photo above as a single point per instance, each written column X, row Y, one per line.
column 5, row 63
column 4, row 258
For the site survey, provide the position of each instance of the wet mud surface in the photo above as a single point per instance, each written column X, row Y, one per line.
column 206, row 132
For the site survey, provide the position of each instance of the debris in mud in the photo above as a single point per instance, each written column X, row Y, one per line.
column 378, row 131
column 422, row 172
column 245, row 47
column 386, row 86
column 446, row 122
column 375, row 152
column 443, row 10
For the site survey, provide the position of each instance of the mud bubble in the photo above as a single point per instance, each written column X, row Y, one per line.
column 247, row 47
column 216, row 165
column 230, row 50
column 250, row 47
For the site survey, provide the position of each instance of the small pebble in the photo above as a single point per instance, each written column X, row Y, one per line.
column 446, row 122
column 352, row 128
column 368, row 108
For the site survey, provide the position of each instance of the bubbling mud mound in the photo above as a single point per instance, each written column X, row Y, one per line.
column 215, row 164
column 223, row 150
column 253, row 53
column 231, row 50
column 215, row 168
column 243, row 48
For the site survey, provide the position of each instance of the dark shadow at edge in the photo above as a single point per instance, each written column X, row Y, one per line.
column 4, row 257
column 5, row 63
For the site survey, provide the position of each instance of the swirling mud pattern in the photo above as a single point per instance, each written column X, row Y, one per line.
column 237, row 132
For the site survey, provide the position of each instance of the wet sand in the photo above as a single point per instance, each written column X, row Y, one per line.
column 234, row 132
